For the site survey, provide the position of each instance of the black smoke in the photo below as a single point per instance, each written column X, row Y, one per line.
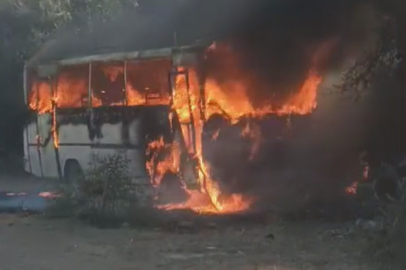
column 279, row 33
column 275, row 40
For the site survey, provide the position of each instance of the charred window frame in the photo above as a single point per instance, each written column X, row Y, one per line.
column 104, row 83
column 125, row 84
column 38, row 92
column 147, row 81
column 64, row 88
column 107, row 84
column 71, row 87
column 89, row 86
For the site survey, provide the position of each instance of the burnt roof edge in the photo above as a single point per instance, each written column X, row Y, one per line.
column 120, row 56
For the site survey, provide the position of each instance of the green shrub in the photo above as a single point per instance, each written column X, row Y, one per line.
column 104, row 193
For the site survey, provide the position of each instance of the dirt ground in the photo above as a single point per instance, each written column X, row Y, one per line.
column 38, row 243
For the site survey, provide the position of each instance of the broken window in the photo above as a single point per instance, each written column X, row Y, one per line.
column 72, row 87
column 147, row 82
column 108, row 84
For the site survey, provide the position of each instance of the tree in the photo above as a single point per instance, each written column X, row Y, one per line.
column 24, row 26
column 386, row 55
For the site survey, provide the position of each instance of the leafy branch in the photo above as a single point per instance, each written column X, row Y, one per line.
column 384, row 54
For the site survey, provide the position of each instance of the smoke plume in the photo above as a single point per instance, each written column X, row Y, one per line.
column 275, row 41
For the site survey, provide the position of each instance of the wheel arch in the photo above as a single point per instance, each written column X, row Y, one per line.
column 70, row 162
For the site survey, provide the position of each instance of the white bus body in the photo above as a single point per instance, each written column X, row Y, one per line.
column 57, row 139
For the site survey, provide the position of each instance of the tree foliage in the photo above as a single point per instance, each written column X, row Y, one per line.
column 24, row 26
column 384, row 54
column 387, row 51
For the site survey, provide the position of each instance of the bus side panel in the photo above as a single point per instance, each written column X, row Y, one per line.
column 136, row 156
column 47, row 154
column 49, row 160
column 80, row 153
column 33, row 165
column 112, row 143
column 74, row 144
column 27, row 158
column 111, row 134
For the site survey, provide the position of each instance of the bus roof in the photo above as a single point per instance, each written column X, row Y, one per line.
column 123, row 56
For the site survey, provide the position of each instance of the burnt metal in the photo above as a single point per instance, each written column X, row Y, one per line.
column 29, row 115
column 125, row 131
column 202, row 76
column 93, row 129
column 125, row 83
column 154, row 120
column 38, row 140
column 100, row 145
column 89, row 87
column 70, row 60
column 110, row 115
column 54, row 84
column 155, row 124
column 172, row 78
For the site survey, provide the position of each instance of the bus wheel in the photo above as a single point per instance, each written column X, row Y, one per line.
column 73, row 172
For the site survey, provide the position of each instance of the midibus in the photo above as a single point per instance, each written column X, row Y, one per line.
column 111, row 103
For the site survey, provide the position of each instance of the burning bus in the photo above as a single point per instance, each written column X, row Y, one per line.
column 107, row 103
column 157, row 107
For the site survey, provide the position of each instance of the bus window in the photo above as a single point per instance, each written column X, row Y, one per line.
column 40, row 97
column 38, row 94
column 147, row 82
column 72, row 87
column 108, row 84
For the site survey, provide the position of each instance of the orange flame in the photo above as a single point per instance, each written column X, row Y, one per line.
column 352, row 189
column 71, row 91
column 228, row 98
column 252, row 132
column 157, row 168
